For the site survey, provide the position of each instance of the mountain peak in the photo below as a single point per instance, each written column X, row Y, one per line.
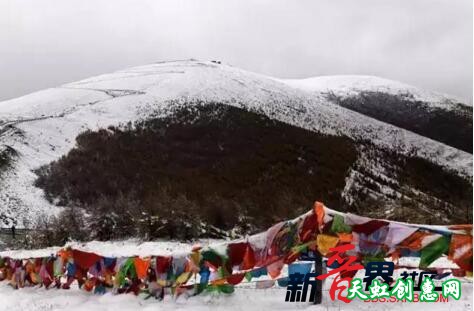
column 42, row 127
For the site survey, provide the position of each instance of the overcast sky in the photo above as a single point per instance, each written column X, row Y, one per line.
column 427, row 43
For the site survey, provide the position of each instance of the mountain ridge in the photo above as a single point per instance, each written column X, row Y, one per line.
column 42, row 126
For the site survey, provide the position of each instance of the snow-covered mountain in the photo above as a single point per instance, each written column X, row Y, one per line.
column 349, row 85
column 39, row 128
column 437, row 116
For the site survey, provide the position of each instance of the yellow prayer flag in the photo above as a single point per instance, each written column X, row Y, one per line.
column 325, row 242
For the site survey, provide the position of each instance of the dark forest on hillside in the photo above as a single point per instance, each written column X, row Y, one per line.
column 207, row 167
column 452, row 127
column 214, row 170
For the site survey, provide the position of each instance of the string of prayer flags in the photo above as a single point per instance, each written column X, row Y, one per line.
column 220, row 268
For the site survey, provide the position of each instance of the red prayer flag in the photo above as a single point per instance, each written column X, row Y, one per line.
column 84, row 260
column 162, row 264
column 235, row 279
column 249, row 258
column 236, row 252
column 141, row 267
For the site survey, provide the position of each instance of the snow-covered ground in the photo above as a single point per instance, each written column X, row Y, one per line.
column 242, row 299
column 126, row 248
column 245, row 297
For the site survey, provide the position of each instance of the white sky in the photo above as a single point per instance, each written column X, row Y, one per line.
column 427, row 43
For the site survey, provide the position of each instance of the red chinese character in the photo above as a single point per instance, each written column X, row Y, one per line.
column 339, row 288
column 346, row 264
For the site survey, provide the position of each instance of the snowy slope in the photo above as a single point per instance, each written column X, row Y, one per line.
column 347, row 85
column 42, row 126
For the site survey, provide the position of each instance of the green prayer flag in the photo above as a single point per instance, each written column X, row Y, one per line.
column 199, row 288
column 225, row 288
column 248, row 276
column 222, row 273
column 339, row 226
column 212, row 256
column 120, row 278
column 434, row 250
column 300, row 248
column 128, row 268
